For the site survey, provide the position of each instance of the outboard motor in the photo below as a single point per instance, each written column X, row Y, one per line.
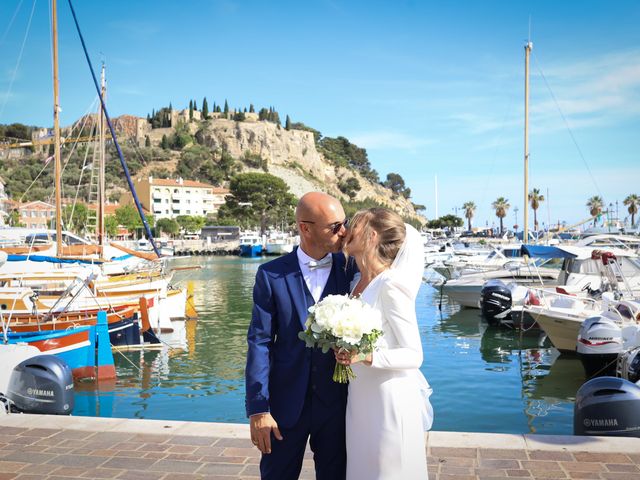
column 42, row 384
column 629, row 365
column 607, row 406
column 495, row 301
column 599, row 344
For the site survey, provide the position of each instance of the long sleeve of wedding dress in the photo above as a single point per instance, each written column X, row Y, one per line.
column 403, row 349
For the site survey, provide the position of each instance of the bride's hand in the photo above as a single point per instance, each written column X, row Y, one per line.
column 346, row 357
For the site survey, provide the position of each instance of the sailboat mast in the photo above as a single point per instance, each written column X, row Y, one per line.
column 101, row 167
column 527, row 53
column 56, row 130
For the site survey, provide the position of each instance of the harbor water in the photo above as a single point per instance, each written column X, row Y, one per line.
column 484, row 379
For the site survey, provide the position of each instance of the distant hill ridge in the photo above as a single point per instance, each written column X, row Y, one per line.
column 297, row 154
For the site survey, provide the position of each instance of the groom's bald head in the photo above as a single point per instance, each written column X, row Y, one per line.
column 317, row 204
column 316, row 215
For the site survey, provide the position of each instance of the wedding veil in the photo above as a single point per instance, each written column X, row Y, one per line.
column 409, row 267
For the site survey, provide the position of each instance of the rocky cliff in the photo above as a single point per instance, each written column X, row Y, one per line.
column 290, row 155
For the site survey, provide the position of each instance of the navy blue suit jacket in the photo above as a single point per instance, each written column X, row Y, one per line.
column 279, row 365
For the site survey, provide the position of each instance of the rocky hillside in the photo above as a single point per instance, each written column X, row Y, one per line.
column 290, row 154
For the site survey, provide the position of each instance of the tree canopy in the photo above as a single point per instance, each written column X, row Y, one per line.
column 258, row 199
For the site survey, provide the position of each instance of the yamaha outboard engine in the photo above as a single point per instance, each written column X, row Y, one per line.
column 41, row 384
column 599, row 344
column 495, row 301
column 607, row 406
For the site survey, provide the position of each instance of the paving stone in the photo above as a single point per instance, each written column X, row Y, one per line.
column 69, row 471
column 619, row 476
column 129, row 463
column 140, row 475
column 209, row 451
column 154, row 447
column 8, row 476
column 502, row 453
column 77, row 460
column 241, row 452
column 29, row 457
column 10, row 467
column 453, row 461
column 102, row 473
column 453, row 452
column 540, row 465
column 584, row 475
column 518, row 473
column 550, row 455
column 615, row 467
column 220, row 469
column 182, row 449
column 498, row 463
column 174, row 466
column 234, row 442
column 449, row 470
column 601, row 457
column 39, row 432
column 582, row 466
column 551, row 474
column 193, row 440
column 489, row 472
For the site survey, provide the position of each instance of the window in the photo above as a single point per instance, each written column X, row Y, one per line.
column 188, row 212
column 157, row 200
column 187, row 191
column 175, row 190
column 176, row 212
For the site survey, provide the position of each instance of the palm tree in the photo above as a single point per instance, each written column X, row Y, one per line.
column 633, row 202
column 469, row 211
column 535, row 198
column 595, row 204
column 501, row 205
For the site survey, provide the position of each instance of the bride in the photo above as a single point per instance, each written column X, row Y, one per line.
column 388, row 409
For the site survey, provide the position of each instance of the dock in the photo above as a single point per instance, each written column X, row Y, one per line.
column 39, row 447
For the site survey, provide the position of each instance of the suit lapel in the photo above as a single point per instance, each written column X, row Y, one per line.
column 297, row 288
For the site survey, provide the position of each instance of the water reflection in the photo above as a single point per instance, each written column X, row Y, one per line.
column 485, row 379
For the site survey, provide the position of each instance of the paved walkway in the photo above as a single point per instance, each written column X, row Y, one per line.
column 34, row 447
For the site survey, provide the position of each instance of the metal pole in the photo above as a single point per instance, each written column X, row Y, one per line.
column 527, row 52
column 56, row 130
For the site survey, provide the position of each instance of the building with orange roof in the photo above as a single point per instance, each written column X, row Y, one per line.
column 169, row 198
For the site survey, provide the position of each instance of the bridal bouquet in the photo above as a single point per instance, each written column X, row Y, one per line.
column 340, row 321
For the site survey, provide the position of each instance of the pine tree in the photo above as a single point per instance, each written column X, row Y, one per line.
column 287, row 124
column 205, row 109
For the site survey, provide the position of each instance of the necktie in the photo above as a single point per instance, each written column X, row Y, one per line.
column 322, row 263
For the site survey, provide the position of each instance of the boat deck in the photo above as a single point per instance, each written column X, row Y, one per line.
column 53, row 447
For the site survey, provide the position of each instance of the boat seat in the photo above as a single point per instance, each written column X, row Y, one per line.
column 564, row 292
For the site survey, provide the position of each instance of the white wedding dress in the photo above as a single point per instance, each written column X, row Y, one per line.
column 388, row 409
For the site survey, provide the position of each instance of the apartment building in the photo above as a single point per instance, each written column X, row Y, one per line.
column 169, row 198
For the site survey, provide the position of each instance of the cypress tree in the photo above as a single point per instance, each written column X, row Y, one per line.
column 190, row 111
column 147, row 141
column 287, row 124
column 205, row 108
column 226, row 106
column 164, row 143
column 251, row 109
column 195, row 105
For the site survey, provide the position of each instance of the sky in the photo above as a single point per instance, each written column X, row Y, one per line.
column 433, row 90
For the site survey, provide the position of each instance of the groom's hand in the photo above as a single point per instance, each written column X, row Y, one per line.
column 261, row 426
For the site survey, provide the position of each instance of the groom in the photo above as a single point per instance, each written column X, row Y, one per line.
column 290, row 394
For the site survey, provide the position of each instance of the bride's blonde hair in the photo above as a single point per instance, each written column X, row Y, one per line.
column 390, row 229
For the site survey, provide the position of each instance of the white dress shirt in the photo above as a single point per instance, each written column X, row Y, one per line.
column 316, row 279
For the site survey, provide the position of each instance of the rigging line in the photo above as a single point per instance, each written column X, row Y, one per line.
column 47, row 162
column 593, row 179
column 15, row 13
column 15, row 70
column 75, row 200
column 75, row 144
